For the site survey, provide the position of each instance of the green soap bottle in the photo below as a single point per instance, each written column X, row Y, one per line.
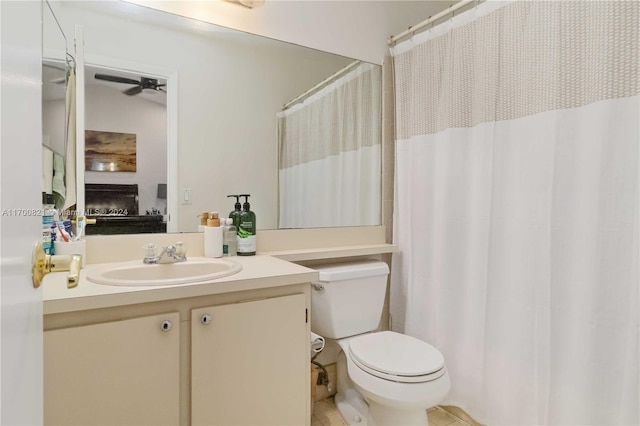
column 246, row 229
column 235, row 214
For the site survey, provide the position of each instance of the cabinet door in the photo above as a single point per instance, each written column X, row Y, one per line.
column 115, row 373
column 250, row 363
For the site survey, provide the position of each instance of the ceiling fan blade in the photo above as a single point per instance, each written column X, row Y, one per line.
column 133, row 91
column 115, row 79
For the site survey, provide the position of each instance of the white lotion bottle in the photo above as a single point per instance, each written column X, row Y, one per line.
column 213, row 237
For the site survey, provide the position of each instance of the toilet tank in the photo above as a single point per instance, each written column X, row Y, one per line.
column 348, row 298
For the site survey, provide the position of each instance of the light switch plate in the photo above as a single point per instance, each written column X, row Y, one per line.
column 186, row 196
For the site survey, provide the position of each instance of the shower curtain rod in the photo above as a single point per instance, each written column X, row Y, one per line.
column 321, row 85
column 391, row 41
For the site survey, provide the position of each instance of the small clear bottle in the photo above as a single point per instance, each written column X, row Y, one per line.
column 229, row 243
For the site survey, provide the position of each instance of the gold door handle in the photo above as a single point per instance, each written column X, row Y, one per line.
column 38, row 264
column 44, row 263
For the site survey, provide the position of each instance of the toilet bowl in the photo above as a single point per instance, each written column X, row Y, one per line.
column 383, row 378
column 399, row 378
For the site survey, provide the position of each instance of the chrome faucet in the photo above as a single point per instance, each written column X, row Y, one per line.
column 170, row 254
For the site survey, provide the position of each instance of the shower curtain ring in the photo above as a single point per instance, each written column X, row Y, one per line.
column 429, row 27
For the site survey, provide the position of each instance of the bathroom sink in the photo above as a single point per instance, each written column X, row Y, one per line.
column 136, row 273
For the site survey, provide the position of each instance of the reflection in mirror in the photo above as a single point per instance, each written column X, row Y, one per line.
column 330, row 152
column 125, row 151
column 58, row 113
column 230, row 86
column 53, row 127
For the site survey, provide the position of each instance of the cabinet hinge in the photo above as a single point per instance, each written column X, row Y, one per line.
column 306, row 316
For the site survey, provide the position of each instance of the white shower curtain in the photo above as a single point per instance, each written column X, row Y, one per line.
column 516, row 209
column 330, row 154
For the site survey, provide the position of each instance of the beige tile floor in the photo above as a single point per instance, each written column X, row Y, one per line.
column 325, row 413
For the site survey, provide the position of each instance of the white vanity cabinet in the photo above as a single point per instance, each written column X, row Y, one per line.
column 238, row 358
column 118, row 372
column 250, row 363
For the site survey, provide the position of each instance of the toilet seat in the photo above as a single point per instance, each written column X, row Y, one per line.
column 396, row 357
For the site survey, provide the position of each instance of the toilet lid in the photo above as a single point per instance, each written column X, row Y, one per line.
column 396, row 354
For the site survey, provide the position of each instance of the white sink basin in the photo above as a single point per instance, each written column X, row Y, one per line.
column 136, row 273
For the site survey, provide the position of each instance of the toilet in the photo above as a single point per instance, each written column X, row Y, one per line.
column 383, row 378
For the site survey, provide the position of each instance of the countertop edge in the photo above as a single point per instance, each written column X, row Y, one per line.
column 164, row 293
column 300, row 255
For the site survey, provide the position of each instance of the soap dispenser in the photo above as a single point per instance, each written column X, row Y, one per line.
column 235, row 214
column 246, row 229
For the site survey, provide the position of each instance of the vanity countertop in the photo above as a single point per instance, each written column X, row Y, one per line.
column 260, row 271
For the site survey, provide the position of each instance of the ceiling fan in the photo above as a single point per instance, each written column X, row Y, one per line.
column 144, row 84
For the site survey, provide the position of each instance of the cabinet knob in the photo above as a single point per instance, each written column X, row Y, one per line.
column 166, row 325
column 206, row 319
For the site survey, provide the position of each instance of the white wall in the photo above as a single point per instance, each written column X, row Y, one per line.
column 108, row 109
column 357, row 29
column 226, row 123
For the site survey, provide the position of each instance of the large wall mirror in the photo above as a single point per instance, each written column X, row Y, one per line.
column 205, row 106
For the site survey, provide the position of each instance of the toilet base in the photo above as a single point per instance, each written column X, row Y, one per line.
column 358, row 411
column 352, row 407
column 355, row 411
